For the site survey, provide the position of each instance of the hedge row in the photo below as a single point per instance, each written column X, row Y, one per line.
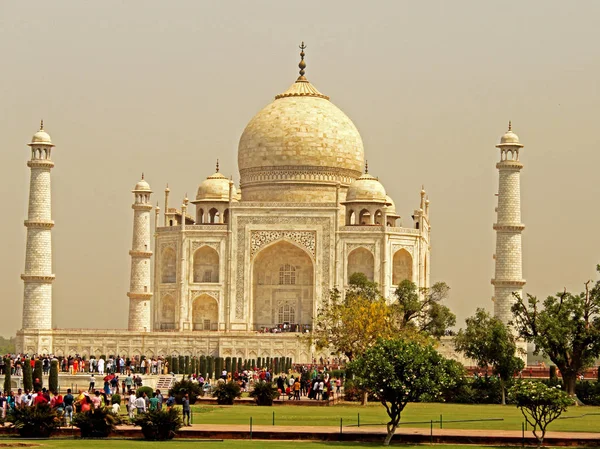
column 212, row 367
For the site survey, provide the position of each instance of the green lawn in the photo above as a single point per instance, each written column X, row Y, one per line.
column 375, row 413
column 216, row 444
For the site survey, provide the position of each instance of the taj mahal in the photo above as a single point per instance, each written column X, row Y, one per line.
column 242, row 272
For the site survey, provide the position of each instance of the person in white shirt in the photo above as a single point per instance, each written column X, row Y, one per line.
column 131, row 404
column 140, row 404
column 116, row 408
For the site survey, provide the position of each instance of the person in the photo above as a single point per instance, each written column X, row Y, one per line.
column 86, row 403
column 68, row 401
column 153, row 402
column 140, row 404
column 40, row 398
column 96, row 401
column 170, row 401
column 19, row 398
column 186, row 409
column 3, row 404
column 131, row 404
column 160, row 398
column 116, row 407
column 129, row 382
column 297, row 389
column 92, row 383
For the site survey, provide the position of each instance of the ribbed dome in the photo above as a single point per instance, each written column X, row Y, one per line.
column 366, row 189
column 215, row 188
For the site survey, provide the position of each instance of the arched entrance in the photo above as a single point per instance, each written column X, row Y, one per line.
column 205, row 313
column 361, row 260
column 402, row 267
column 282, row 287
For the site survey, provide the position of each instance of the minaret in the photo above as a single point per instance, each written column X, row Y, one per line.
column 508, row 278
column 38, row 277
column 140, row 292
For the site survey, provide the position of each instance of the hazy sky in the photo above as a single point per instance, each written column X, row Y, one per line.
column 166, row 87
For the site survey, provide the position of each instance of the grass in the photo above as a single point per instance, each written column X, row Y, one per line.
column 375, row 414
column 215, row 444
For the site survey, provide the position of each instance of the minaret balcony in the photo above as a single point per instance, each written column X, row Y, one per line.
column 133, row 253
column 508, row 282
column 46, row 278
column 134, row 295
column 40, row 163
column 48, row 224
column 508, row 227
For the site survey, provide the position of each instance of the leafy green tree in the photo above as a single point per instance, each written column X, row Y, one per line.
column 159, row 425
column 400, row 371
column 490, row 342
column 27, row 375
column 423, row 309
column 565, row 328
column 540, row 405
column 348, row 325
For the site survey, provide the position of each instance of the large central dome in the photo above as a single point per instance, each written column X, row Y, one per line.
column 298, row 148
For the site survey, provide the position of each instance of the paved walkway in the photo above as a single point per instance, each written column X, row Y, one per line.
column 376, row 433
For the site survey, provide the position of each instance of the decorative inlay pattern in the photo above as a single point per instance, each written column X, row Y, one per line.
column 353, row 246
column 305, row 239
column 198, row 244
column 409, row 248
column 212, row 293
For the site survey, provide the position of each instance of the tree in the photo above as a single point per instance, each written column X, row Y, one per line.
column 350, row 325
column 490, row 342
column 7, row 372
column 27, row 375
column 423, row 309
column 53, row 377
column 539, row 404
column 399, row 371
column 38, row 380
column 566, row 329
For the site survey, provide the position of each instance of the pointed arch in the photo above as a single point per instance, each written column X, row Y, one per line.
column 168, row 266
column 361, row 260
column 205, row 313
column 206, row 265
column 364, row 218
column 402, row 266
column 167, row 312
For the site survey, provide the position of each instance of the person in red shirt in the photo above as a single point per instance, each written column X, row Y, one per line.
column 40, row 398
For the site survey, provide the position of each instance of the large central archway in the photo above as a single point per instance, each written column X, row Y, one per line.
column 282, row 286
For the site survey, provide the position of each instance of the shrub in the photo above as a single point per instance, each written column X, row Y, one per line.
column 96, row 423
column 37, row 374
column 183, row 387
column 175, row 365
column 264, row 393
column 588, row 392
column 140, row 391
column 34, row 422
column 226, row 392
column 159, row 424
column 7, row 379
column 53, row 377
column 27, row 375
column 115, row 399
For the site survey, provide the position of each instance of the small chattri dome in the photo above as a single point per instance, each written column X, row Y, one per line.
column 142, row 186
column 215, row 188
column 366, row 189
column 41, row 137
column 510, row 138
column 391, row 208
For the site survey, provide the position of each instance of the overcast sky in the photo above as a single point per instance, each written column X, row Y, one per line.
column 166, row 87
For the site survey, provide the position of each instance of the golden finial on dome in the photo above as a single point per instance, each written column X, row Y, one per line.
column 366, row 167
column 510, row 125
column 142, row 175
column 41, row 124
column 302, row 64
column 217, row 165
